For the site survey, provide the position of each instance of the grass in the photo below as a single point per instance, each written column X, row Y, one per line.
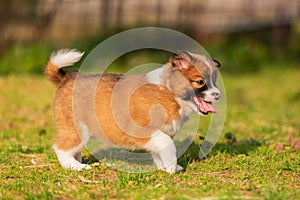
column 262, row 110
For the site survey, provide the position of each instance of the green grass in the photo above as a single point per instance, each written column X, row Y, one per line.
column 262, row 110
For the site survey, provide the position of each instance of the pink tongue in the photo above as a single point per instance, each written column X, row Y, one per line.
column 204, row 106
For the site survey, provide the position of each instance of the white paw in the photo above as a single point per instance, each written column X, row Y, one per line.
column 170, row 169
column 179, row 168
column 77, row 166
column 84, row 166
column 80, row 167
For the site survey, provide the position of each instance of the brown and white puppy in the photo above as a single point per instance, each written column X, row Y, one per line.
column 185, row 84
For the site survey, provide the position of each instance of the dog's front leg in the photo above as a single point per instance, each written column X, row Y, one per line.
column 163, row 152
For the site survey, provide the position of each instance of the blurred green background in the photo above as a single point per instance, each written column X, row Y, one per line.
column 245, row 36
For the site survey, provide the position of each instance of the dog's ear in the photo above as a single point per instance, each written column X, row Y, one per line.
column 217, row 63
column 180, row 60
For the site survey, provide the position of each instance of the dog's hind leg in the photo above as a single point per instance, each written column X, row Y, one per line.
column 68, row 148
column 67, row 158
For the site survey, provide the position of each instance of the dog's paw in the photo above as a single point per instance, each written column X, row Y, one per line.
column 179, row 168
column 81, row 167
column 77, row 166
column 170, row 169
column 85, row 167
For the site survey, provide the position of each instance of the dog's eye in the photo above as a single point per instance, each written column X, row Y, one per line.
column 200, row 82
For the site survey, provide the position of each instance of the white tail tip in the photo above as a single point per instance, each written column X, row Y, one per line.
column 65, row 57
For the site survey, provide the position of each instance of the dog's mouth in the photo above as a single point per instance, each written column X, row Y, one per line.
column 203, row 106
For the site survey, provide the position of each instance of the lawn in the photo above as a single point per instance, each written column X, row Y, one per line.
column 253, row 158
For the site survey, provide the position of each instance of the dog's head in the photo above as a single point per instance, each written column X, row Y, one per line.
column 201, row 74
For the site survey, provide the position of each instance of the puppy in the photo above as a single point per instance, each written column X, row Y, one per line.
column 141, row 112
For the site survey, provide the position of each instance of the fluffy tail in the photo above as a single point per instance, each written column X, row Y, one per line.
column 58, row 60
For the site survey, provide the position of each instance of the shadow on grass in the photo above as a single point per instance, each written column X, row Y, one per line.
column 231, row 147
column 116, row 155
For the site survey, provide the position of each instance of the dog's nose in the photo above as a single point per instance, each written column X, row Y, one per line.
column 216, row 95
